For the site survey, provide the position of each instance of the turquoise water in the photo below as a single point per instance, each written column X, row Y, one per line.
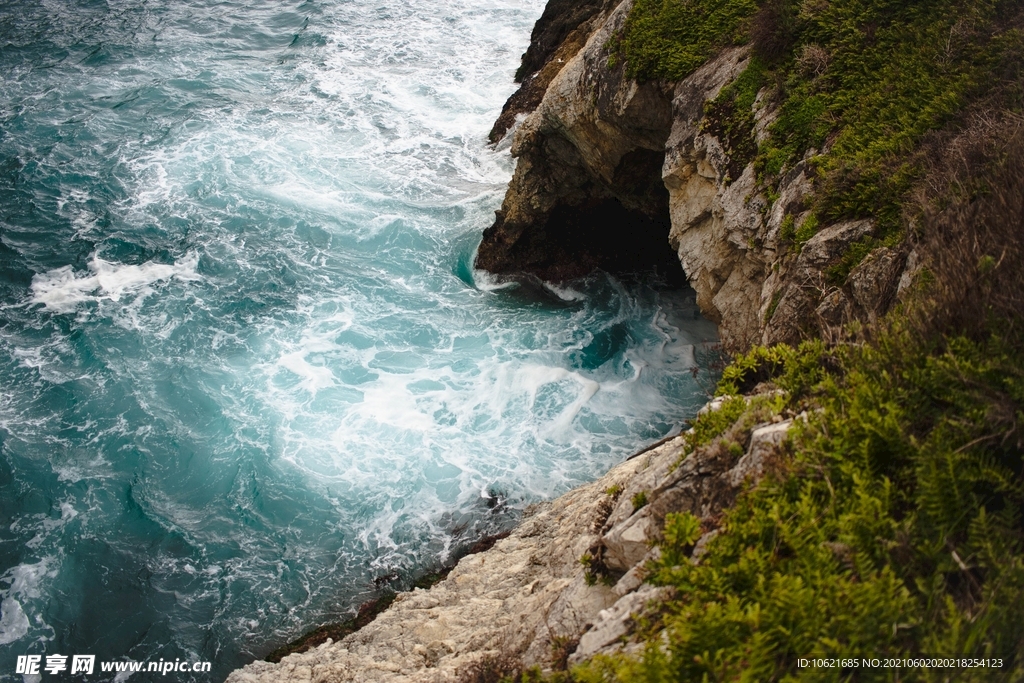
column 248, row 374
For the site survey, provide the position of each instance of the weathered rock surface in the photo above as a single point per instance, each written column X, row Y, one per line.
column 529, row 599
column 515, row 598
column 716, row 221
column 558, row 35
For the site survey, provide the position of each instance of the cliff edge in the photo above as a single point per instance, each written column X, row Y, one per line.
column 567, row 584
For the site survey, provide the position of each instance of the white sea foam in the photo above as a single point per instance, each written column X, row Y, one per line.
column 62, row 290
column 13, row 621
column 488, row 282
column 565, row 293
column 24, row 583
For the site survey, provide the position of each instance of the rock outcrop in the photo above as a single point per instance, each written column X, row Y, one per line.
column 611, row 171
column 587, row 191
column 566, row 584
column 558, row 35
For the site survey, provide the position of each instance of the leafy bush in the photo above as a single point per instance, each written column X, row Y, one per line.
column 794, row 370
column 671, row 38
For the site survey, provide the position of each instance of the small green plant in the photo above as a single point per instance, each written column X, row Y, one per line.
column 639, row 500
column 806, row 230
column 773, row 305
column 613, row 491
column 787, row 230
column 682, row 529
column 592, row 569
column 713, row 423
column 561, row 648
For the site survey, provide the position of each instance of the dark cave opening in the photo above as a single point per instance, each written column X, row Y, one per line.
column 621, row 228
column 605, row 235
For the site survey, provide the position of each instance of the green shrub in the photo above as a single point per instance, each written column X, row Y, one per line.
column 713, row 423
column 671, row 38
column 681, row 531
column 795, row 371
column 895, row 530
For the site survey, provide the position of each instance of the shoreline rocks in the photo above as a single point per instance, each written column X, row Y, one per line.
column 617, row 175
column 566, row 584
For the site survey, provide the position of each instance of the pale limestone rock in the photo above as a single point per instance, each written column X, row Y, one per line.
column 714, row 404
column 831, row 242
column 632, row 579
column 794, row 190
column 603, row 116
column 652, row 468
column 617, row 621
column 703, row 484
column 764, row 115
column 715, row 223
column 764, row 441
column 590, row 151
column 628, row 542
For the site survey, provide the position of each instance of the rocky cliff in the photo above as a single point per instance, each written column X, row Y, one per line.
column 622, row 175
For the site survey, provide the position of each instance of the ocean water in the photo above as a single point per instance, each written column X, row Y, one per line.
column 248, row 376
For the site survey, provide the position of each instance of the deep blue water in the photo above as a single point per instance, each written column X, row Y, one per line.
column 247, row 374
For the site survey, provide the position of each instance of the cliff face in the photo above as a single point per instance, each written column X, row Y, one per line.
column 620, row 175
